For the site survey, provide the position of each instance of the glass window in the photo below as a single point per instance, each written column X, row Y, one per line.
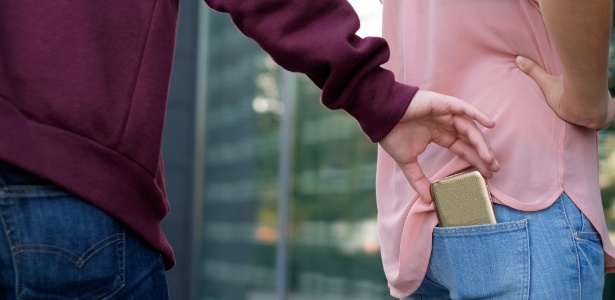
column 238, row 230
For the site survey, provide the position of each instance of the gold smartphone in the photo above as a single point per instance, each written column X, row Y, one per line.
column 463, row 200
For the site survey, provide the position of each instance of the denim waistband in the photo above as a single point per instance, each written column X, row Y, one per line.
column 12, row 175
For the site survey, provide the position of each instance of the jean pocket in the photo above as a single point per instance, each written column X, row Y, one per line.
column 62, row 247
column 588, row 235
column 590, row 255
column 484, row 261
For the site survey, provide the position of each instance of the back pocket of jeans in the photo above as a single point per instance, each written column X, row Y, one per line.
column 63, row 247
column 484, row 261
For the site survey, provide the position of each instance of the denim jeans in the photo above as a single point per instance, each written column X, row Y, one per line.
column 54, row 245
column 553, row 253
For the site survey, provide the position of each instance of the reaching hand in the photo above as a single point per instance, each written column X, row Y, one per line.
column 446, row 121
column 593, row 111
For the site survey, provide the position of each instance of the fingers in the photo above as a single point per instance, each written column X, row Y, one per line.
column 532, row 69
column 469, row 133
column 421, row 184
column 469, row 154
column 446, row 121
column 428, row 102
column 462, row 108
column 468, row 142
column 417, row 179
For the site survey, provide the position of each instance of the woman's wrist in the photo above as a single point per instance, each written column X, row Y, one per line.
column 610, row 113
column 589, row 106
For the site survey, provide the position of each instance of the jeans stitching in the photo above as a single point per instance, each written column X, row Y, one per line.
column 565, row 213
column 576, row 252
column 574, row 243
column 434, row 282
column 512, row 226
column 589, row 236
column 32, row 191
column 437, row 277
column 17, row 263
column 480, row 229
column 32, row 196
column 13, row 237
column 583, row 235
column 582, row 220
column 9, row 241
column 433, row 271
column 77, row 260
column 122, row 253
column 527, row 270
column 120, row 264
column 29, row 187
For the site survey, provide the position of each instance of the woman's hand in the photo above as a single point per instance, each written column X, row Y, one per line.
column 446, row 121
column 572, row 106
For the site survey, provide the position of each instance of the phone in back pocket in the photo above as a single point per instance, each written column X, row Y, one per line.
column 463, row 200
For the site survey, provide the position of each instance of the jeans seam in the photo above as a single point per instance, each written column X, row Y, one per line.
column 77, row 260
column 120, row 264
column 563, row 207
column 485, row 229
column 16, row 263
column 527, row 275
column 576, row 252
column 122, row 252
column 32, row 196
column 26, row 190
column 574, row 244
column 434, row 282
column 571, row 228
column 10, row 245
column 433, row 271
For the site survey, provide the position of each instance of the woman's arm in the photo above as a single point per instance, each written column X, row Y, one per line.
column 580, row 32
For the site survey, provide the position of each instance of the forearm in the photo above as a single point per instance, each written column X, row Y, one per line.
column 580, row 31
column 318, row 38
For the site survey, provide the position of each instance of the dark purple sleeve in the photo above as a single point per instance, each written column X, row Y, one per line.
column 317, row 38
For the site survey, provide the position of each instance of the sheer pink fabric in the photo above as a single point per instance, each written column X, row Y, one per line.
column 467, row 49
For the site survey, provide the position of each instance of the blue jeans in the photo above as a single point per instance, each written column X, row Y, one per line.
column 553, row 253
column 54, row 245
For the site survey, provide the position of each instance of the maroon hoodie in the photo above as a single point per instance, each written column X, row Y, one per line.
column 83, row 88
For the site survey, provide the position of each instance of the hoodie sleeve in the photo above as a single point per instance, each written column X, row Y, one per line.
column 317, row 38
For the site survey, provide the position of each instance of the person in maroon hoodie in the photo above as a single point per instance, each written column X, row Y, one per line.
column 83, row 89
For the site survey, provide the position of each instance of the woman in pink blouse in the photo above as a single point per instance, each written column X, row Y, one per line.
column 551, row 240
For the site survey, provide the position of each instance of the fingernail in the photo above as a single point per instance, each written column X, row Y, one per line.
column 520, row 60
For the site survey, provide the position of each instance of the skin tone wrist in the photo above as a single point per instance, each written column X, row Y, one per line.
column 580, row 32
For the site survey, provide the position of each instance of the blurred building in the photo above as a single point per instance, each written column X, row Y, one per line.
column 272, row 195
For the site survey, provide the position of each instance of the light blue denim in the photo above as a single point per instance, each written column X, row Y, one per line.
column 553, row 253
column 54, row 245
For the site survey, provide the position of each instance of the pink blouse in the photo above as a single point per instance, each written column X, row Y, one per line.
column 467, row 49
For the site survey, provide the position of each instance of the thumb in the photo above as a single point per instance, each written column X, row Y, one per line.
column 532, row 69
